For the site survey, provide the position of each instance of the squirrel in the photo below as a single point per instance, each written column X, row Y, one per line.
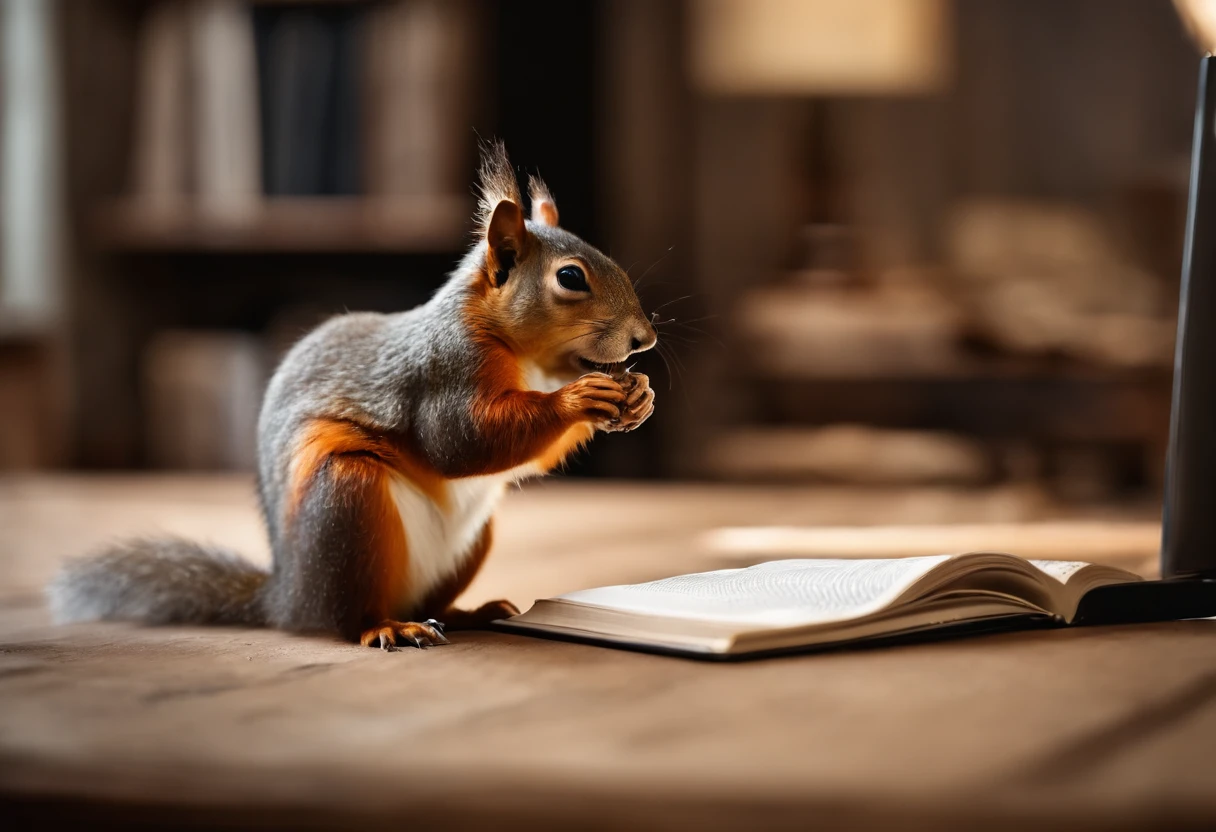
column 385, row 442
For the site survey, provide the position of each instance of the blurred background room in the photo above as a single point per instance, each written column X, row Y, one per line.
column 915, row 267
column 898, row 246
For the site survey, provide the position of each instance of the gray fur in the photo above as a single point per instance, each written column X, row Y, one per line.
column 165, row 581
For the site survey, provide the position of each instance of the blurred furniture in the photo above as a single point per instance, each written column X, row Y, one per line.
column 736, row 172
column 120, row 727
column 32, row 406
column 203, row 395
column 1016, row 180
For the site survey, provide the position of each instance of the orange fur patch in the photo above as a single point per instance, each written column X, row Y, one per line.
column 569, row 442
column 326, row 438
column 514, row 425
column 500, row 371
column 544, row 212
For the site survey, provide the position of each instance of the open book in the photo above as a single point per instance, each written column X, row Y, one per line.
column 793, row 604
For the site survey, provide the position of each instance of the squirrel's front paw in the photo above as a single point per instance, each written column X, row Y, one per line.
column 639, row 403
column 597, row 398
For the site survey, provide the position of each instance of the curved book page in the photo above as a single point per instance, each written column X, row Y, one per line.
column 779, row 593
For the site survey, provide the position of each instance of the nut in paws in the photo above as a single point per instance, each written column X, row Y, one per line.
column 638, row 404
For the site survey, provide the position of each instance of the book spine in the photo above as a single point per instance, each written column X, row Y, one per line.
column 345, row 145
column 420, row 65
column 297, row 56
column 160, row 157
column 31, row 211
column 227, row 162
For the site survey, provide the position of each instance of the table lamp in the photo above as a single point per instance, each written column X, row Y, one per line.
column 817, row 51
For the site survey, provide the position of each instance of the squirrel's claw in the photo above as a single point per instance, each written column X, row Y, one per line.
column 385, row 636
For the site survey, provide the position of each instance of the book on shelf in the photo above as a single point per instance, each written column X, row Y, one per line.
column 421, row 59
column 310, row 81
column 162, row 137
column 227, row 164
column 234, row 102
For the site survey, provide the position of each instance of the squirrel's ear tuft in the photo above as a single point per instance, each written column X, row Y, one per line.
column 544, row 209
column 497, row 183
column 507, row 237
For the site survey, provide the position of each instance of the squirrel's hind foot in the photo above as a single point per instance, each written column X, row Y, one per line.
column 480, row 618
column 385, row 635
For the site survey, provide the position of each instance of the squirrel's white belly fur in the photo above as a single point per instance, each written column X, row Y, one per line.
column 439, row 537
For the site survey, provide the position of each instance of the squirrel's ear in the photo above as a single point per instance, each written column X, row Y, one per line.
column 507, row 238
column 497, row 182
column 544, row 209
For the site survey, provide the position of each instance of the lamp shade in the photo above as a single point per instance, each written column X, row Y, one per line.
column 820, row 47
column 1200, row 18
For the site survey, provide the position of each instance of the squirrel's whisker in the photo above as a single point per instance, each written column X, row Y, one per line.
column 638, row 282
column 675, row 366
column 698, row 320
column 679, row 339
column 666, row 363
column 704, row 332
column 670, row 302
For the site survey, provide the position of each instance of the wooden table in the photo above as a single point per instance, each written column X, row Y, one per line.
column 1111, row 728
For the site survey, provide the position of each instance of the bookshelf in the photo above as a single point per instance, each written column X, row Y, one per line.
column 331, row 126
column 138, row 3
column 397, row 225
column 238, row 170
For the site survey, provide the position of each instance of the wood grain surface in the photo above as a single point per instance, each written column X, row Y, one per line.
column 113, row 725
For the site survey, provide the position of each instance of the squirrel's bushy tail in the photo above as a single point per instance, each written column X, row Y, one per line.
column 166, row 581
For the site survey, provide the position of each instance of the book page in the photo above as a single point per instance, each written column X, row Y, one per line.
column 781, row 593
column 1078, row 579
column 1061, row 570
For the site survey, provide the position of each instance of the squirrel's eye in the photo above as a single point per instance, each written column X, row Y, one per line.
column 572, row 279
